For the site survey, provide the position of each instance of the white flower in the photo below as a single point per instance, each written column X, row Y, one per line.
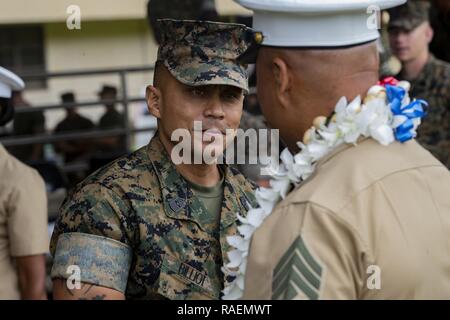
column 316, row 150
column 288, row 162
column 281, row 185
column 232, row 292
column 240, row 282
column 383, row 134
column 267, row 198
column 256, row 216
column 330, row 136
column 238, row 242
column 246, row 230
column 235, row 257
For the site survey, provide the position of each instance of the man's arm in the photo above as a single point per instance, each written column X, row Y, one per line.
column 87, row 291
column 31, row 273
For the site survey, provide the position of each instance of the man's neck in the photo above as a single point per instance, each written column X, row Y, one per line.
column 412, row 69
column 207, row 175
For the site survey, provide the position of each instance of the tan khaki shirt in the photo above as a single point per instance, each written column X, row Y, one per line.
column 373, row 222
column 23, row 219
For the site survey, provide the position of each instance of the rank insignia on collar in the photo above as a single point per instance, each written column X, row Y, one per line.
column 176, row 204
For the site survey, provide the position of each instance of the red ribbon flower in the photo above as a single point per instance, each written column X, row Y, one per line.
column 388, row 81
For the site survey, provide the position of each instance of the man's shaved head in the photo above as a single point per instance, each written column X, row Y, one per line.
column 306, row 83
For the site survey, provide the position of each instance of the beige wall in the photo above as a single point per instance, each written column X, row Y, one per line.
column 39, row 11
column 114, row 34
column 108, row 44
column 31, row 11
column 229, row 7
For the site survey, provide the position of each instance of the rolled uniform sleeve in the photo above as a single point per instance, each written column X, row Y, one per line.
column 92, row 235
column 27, row 219
column 305, row 251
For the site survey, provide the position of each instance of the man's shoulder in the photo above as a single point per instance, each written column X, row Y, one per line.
column 122, row 175
column 357, row 168
column 238, row 179
column 85, row 121
column 440, row 70
column 18, row 173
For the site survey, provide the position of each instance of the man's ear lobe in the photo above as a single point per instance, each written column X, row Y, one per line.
column 153, row 97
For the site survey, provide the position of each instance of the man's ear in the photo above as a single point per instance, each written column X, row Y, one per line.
column 282, row 80
column 153, row 96
column 429, row 33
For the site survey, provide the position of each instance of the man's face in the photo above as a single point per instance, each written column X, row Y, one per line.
column 217, row 107
column 409, row 45
column 108, row 97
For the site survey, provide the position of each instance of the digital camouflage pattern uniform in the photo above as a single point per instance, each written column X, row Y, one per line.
column 432, row 85
column 135, row 225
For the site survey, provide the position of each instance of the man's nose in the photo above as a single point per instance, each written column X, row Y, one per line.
column 214, row 108
column 401, row 37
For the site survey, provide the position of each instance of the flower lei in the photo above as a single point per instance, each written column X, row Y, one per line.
column 386, row 114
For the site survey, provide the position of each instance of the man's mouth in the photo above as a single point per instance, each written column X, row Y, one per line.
column 214, row 132
column 402, row 49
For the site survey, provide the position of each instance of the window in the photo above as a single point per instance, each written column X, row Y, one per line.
column 22, row 51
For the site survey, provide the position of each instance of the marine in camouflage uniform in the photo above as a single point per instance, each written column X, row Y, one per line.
column 432, row 85
column 137, row 226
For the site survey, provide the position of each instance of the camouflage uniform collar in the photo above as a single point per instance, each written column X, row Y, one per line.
column 177, row 195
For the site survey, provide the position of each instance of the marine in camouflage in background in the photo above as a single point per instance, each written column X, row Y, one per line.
column 432, row 83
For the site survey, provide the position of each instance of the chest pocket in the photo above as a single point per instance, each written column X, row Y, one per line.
column 180, row 281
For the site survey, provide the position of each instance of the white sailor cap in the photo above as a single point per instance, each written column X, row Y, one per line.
column 9, row 82
column 316, row 23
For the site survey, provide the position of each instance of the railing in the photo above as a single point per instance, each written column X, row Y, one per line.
column 125, row 100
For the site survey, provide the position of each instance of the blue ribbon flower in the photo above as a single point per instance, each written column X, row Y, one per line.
column 413, row 111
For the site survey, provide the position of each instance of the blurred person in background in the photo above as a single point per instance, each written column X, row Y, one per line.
column 27, row 124
column 410, row 35
column 23, row 215
column 73, row 149
column 111, row 119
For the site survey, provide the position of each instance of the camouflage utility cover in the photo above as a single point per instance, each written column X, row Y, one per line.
column 135, row 226
column 410, row 15
column 201, row 53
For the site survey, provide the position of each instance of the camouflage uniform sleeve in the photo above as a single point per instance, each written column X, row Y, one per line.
column 91, row 238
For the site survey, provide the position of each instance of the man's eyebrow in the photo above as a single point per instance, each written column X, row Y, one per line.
column 232, row 88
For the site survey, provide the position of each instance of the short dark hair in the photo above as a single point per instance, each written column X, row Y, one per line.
column 157, row 73
column 68, row 97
